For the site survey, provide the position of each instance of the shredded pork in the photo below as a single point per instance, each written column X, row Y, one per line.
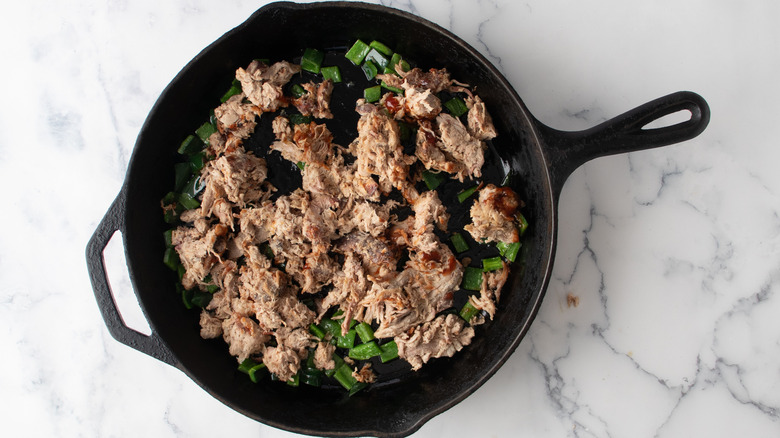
column 336, row 242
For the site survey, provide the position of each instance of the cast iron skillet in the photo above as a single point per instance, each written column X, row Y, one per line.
column 540, row 157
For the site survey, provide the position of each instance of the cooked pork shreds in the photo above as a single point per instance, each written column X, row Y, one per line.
column 337, row 236
column 493, row 215
column 444, row 336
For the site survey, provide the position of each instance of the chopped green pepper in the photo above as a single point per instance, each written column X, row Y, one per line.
column 346, row 341
column 365, row 332
column 369, row 69
column 381, row 47
column 468, row 311
column 316, row 330
column 380, row 60
column 253, row 372
column 333, row 73
column 311, row 60
column 492, row 264
column 389, row 351
column 205, row 130
column 391, row 88
column 190, row 145
column 171, row 258
column 235, row 88
column 181, row 174
column 372, row 94
column 365, row 351
column 456, row 106
column 523, row 223
column 297, row 119
column 472, row 278
column 297, row 91
column 508, row 250
column 357, row 53
column 188, row 201
column 459, row 242
column 465, row 194
column 433, row 179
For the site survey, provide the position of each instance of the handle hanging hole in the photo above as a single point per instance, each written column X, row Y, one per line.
column 668, row 120
column 121, row 288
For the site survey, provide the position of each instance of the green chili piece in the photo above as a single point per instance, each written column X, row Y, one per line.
column 389, row 351
column 357, row 53
column 297, row 91
column 194, row 186
column 492, row 264
column 465, row 194
column 456, row 106
column 168, row 236
column 338, row 361
column 331, row 326
column 181, row 174
column 311, row 60
column 346, row 341
column 391, row 88
column 295, row 380
column 394, row 60
column 369, row 69
column 246, row 365
column 297, row 119
column 197, row 161
column 312, row 376
column 171, row 258
column 253, row 372
column 380, row 60
column 301, row 165
column 365, row 332
column 200, row 298
column 365, row 351
column 433, row 179
column 381, row 47
column 344, row 376
column 459, row 242
column 468, row 311
column 186, row 298
column 316, row 330
column 235, row 88
column 508, row 250
column 190, row 145
column 188, row 201
column 357, row 387
column 372, row 94
column 333, row 73
column 205, row 130
column 523, row 223
column 472, row 278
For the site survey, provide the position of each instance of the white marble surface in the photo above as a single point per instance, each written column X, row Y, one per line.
column 674, row 253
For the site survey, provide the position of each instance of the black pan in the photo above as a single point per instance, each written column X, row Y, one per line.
column 540, row 157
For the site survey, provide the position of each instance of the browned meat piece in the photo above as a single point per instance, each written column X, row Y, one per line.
column 275, row 301
column 198, row 251
column 417, row 294
column 349, row 287
column 490, row 292
column 366, row 217
column 316, row 101
column 442, row 337
column 429, row 151
column 281, row 129
column 236, row 177
column 460, row 145
column 417, row 231
column 493, row 215
column 479, row 122
column 236, row 118
column 378, row 149
column 262, row 85
column 283, row 362
column 210, row 325
column 311, row 144
column 321, row 179
column 379, row 258
column 435, row 80
column 365, row 375
column 244, row 336
column 421, row 104
column 323, row 356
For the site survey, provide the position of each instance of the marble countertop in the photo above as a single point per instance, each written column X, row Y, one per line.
column 673, row 253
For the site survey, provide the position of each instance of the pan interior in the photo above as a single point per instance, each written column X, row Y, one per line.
column 401, row 403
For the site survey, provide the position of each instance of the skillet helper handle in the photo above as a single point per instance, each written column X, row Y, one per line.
column 624, row 133
column 112, row 222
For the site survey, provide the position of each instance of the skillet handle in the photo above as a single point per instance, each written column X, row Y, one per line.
column 624, row 133
column 112, row 222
